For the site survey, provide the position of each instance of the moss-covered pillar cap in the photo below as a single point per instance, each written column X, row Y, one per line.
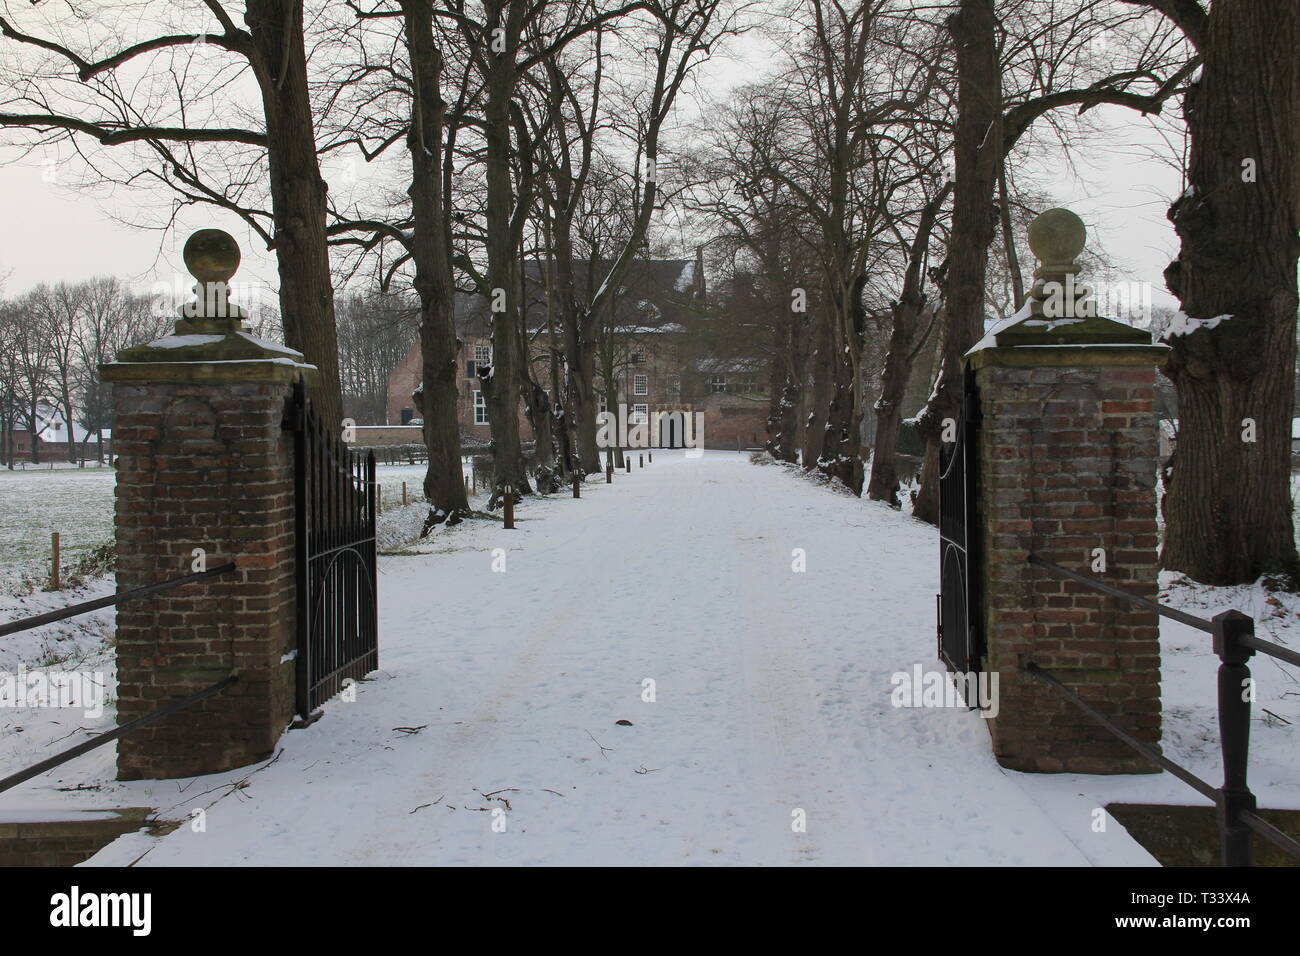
column 1060, row 314
column 210, row 342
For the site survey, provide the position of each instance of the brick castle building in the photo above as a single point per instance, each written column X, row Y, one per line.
column 659, row 363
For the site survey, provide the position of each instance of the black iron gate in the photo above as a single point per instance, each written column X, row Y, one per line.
column 338, row 631
column 960, row 639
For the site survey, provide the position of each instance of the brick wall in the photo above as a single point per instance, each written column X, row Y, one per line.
column 204, row 465
column 730, row 420
column 733, row 422
column 402, row 381
column 73, row 838
column 1067, row 462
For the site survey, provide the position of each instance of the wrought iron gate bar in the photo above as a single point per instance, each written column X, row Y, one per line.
column 960, row 626
column 337, row 599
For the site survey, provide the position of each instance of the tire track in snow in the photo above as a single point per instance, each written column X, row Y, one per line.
column 800, row 769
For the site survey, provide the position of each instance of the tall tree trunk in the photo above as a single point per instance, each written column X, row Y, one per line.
column 538, row 408
column 540, row 417
column 817, row 397
column 1009, row 240
column 611, row 405
column 31, row 412
column 65, row 394
column 502, row 269
column 1228, row 510
column 297, row 194
column 906, row 315
column 778, row 375
column 444, row 483
column 841, row 448
column 609, row 383
column 559, row 420
column 978, row 153
column 791, row 401
column 579, row 350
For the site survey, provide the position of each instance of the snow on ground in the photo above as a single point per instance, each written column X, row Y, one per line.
column 502, row 692
column 76, row 502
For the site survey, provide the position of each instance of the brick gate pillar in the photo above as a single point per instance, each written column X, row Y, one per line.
column 204, row 464
column 1068, row 456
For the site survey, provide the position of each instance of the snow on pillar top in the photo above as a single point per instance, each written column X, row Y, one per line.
column 1060, row 310
column 1056, row 238
column 210, row 342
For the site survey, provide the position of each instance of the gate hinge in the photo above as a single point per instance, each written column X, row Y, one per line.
column 294, row 418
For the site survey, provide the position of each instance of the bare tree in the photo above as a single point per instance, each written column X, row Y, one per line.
column 111, row 319
column 1228, row 509
column 668, row 42
column 769, row 235
column 30, row 367
column 56, row 312
column 1018, row 62
column 911, row 315
column 375, row 333
column 70, row 96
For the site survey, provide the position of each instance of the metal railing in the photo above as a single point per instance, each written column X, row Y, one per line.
column 1234, row 643
column 49, row 763
column 121, row 730
column 27, row 623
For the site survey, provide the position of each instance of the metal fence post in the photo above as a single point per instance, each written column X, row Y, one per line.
column 1235, row 693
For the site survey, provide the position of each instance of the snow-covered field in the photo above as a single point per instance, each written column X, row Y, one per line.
column 76, row 502
column 499, row 695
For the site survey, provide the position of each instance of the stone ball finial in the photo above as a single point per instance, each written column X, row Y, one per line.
column 1057, row 237
column 211, row 255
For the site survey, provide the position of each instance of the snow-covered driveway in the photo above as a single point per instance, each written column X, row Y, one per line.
column 771, row 701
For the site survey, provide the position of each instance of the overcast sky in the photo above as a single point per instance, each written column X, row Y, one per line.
column 54, row 232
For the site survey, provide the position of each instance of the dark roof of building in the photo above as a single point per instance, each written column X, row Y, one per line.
column 657, row 295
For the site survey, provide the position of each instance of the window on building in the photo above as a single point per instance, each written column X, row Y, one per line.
column 674, row 388
column 746, row 384
column 469, row 368
column 641, row 385
column 640, row 415
column 638, row 355
column 480, row 408
column 718, row 383
column 483, row 354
